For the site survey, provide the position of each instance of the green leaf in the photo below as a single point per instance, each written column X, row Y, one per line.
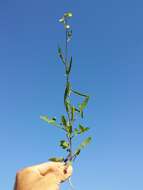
column 54, row 159
column 78, row 93
column 76, row 131
column 64, row 144
column 50, row 121
column 83, row 129
column 83, row 105
column 67, row 91
column 67, row 105
column 72, row 112
column 63, row 119
column 81, row 146
column 69, row 130
column 80, row 130
column 69, row 67
column 77, row 152
column 67, row 127
column 61, row 55
column 85, row 143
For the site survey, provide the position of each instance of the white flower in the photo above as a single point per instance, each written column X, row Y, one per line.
column 67, row 26
column 69, row 14
column 62, row 20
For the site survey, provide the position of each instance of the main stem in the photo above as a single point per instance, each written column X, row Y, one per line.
column 67, row 81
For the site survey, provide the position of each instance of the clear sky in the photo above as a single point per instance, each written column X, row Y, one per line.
column 107, row 49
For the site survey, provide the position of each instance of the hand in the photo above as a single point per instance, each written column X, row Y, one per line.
column 46, row 176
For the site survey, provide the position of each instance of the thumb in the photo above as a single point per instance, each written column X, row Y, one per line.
column 60, row 170
column 45, row 168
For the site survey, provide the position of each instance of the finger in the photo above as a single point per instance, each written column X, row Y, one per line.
column 67, row 172
column 58, row 173
column 60, row 170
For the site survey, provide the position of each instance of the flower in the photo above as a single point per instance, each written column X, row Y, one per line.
column 68, row 14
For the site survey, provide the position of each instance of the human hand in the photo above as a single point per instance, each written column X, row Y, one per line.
column 46, row 176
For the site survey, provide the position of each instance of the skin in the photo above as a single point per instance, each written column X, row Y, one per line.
column 46, row 176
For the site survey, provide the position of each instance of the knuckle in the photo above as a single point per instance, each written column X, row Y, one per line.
column 22, row 172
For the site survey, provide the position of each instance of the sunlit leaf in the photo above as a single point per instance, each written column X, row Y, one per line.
column 54, row 159
column 83, row 105
column 83, row 129
column 50, row 121
column 64, row 122
column 81, row 146
column 77, row 152
column 69, row 130
column 80, row 130
column 85, row 143
column 64, row 144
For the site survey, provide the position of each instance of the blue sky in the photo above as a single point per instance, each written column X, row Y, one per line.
column 107, row 54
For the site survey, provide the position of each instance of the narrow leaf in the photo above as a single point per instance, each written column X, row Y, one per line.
column 81, row 146
column 72, row 112
column 61, row 55
column 83, row 129
column 64, row 122
column 85, row 143
column 80, row 130
column 67, row 105
column 50, row 121
column 83, row 105
column 78, row 93
column 77, row 152
column 69, row 130
column 54, row 159
column 67, row 90
column 69, row 67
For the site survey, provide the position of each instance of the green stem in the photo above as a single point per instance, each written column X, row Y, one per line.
column 69, row 157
